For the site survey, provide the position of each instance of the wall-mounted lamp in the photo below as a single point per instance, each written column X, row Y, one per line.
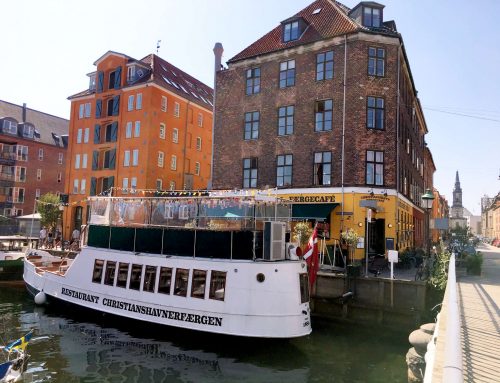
column 389, row 225
column 360, row 224
column 384, row 192
column 371, row 192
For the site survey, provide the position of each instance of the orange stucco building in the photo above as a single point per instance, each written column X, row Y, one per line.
column 141, row 125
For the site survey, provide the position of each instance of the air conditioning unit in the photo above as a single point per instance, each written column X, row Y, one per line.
column 274, row 240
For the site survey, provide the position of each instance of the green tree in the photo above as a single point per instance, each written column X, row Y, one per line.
column 48, row 207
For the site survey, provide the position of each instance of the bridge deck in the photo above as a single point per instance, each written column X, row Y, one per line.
column 479, row 299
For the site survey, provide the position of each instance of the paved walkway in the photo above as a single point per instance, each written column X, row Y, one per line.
column 479, row 298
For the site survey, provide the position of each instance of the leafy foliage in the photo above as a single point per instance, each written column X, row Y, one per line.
column 48, row 207
column 439, row 269
column 473, row 263
column 301, row 233
column 350, row 237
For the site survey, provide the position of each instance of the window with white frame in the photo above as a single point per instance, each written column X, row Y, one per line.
column 130, row 105
column 138, row 101
column 128, row 130
column 84, row 161
column 76, row 185
column 83, row 186
column 59, row 177
column 37, row 193
column 135, row 157
column 175, row 135
column 133, row 183
column 197, row 168
column 86, row 135
column 77, row 161
column 81, row 111
column 87, row 110
column 38, row 174
column 172, row 185
column 159, row 183
column 126, row 158
column 177, row 109
column 162, row 130
column 200, row 119
column 9, row 127
column 198, row 143
column 161, row 159
column 173, row 163
column 125, row 185
column 60, row 158
column 137, row 130
column 163, row 104
column 40, row 154
column 79, row 136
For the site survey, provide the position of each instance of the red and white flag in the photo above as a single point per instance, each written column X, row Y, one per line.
column 311, row 255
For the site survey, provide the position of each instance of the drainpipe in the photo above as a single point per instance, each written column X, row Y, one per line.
column 185, row 147
column 218, row 50
column 398, row 180
column 343, row 133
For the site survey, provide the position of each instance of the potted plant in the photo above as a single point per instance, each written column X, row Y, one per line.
column 301, row 233
column 473, row 263
column 350, row 238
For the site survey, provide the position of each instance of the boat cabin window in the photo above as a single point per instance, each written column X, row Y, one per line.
column 122, row 275
column 135, row 277
column 97, row 274
column 198, row 284
column 304, row 288
column 217, row 285
column 109, row 276
column 165, row 280
column 181, row 282
column 149, row 279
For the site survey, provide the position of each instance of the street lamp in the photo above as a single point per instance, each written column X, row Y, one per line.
column 427, row 200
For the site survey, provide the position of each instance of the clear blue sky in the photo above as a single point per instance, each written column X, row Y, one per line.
column 49, row 46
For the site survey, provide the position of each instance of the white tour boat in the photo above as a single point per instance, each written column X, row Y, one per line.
column 215, row 262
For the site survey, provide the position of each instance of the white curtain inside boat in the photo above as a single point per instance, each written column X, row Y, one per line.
column 212, row 213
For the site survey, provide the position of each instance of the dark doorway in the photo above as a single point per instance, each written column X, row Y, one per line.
column 376, row 237
column 78, row 217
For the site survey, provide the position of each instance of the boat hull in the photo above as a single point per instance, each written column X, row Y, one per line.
column 11, row 270
column 267, row 309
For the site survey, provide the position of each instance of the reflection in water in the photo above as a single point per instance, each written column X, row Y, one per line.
column 73, row 346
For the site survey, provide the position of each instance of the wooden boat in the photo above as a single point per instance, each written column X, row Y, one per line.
column 12, row 252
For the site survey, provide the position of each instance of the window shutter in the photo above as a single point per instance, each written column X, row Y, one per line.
column 98, row 108
column 100, row 81
column 112, row 158
column 97, row 134
column 93, row 184
column 114, row 131
column 118, row 77
column 116, row 105
column 95, row 160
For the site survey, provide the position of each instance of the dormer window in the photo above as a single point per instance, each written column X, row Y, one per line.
column 9, row 126
column 291, row 31
column 28, row 131
column 372, row 17
column 131, row 73
column 91, row 81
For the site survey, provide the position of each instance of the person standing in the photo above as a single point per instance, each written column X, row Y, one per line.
column 43, row 237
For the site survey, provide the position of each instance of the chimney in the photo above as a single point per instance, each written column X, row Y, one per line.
column 24, row 112
column 218, row 50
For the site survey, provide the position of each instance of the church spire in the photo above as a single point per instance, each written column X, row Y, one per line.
column 457, row 193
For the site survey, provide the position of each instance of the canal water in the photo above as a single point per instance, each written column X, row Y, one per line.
column 74, row 346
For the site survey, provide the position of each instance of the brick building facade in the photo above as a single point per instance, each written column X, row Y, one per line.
column 33, row 148
column 142, row 126
column 325, row 104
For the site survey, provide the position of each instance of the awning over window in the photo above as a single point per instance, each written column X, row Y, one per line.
column 313, row 210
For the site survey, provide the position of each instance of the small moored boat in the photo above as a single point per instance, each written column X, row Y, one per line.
column 214, row 262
